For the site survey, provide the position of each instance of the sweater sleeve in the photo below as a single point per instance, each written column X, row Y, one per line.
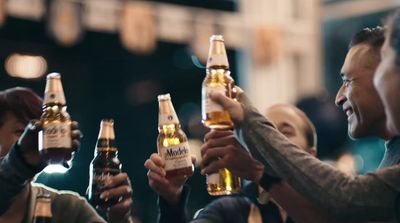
column 15, row 174
column 364, row 197
column 176, row 214
column 70, row 207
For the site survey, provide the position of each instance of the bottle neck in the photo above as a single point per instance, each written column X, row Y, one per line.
column 59, row 106
column 106, row 152
column 169, row 128
column 218, row 67
column 105, row 146
column 218, row 72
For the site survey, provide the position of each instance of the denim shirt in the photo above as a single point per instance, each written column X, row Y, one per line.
column 392, row 153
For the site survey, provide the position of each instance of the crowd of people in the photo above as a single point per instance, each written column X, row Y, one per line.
column 275, row 153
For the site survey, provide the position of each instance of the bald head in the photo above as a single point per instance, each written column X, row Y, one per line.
column 295, row 125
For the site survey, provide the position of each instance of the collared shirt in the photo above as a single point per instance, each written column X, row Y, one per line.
column 392, row 153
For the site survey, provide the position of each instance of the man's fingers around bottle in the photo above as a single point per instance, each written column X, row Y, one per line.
column 214, row 134
column 152, row 167
column 157, row 159
column 212, row 155
column 117, row 192
column 119, row 179
column 213, row 167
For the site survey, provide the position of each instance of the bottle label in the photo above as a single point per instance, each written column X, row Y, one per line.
column 54, row 97
column 43, row 208
column 177, row 156
column 213, row 178
column 101, row 176
column 165, row 119
column 56, row 135
column 209, row 105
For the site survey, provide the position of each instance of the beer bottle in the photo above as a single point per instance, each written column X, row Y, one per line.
column 172, row 142
column 42, row 212
column 55, row 145
column 104, row 164
column 218, row 79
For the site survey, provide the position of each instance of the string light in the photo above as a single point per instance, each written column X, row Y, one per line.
column 25, row 66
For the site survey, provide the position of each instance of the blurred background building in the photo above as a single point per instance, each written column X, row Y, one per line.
column 116, row 56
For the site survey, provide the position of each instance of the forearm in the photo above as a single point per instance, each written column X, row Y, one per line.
column 297, row 207
column 366, row 197
column 175, row 213
column 15, row 174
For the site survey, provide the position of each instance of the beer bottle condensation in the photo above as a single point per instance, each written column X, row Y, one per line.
column 55, row 145
column 42, row 212
column 214, row 117
column 172, row 142
column 104, row 165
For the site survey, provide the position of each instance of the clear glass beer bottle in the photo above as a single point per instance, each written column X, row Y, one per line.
column 104, row 164
column 172, row 142
column 55, row 145
column 218, row 79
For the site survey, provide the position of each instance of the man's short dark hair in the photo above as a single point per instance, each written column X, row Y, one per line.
column 374, row 37
column 22, row 102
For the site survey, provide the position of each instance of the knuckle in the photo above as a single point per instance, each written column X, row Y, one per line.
column 146, row 163
column 124, row 175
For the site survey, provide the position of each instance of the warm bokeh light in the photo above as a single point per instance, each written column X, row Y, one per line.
column 347, row 164
column 25, row 66
column 195, row 150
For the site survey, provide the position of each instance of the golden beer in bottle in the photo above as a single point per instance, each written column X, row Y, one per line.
column 55, row 145
column 104, row 164
column 218, row 79
column 172, row 143
column 42, row 212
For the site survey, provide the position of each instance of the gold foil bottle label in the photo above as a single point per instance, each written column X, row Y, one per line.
column 217, row 53
column 166, row 119
column 54, row 93
column 167, row 114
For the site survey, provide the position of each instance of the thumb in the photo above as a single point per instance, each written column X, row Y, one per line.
column 30, row 132
column 224, row 101
column 33, row 127
column 230, row 105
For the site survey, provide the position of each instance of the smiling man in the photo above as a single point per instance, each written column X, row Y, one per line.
column 358, row 97
column 369, row 197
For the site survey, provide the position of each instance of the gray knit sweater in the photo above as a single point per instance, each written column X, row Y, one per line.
column 67, row 207
column 364, row 197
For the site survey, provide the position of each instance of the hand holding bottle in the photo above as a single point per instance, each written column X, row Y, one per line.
column 119, row 188
column 168, row 188
column 222, row 150
column 233, row 107
column 28, row 142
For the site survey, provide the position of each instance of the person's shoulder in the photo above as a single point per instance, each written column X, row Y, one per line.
column 59, row 195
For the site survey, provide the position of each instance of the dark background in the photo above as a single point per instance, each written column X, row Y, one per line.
column 102, row 79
